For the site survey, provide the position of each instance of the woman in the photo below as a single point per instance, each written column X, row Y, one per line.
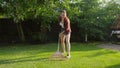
column 65, row 33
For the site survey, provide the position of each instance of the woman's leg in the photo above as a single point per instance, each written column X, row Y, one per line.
column 62, row 39
column 68, row 45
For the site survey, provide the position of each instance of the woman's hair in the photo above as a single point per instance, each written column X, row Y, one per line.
column 64, row 11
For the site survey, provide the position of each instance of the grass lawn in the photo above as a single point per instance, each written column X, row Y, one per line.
column 36, row 56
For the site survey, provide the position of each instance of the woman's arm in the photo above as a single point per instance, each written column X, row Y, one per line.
column 68, row 25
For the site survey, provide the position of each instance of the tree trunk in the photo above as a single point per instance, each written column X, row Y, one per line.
column 20, row 32
column 86, row 37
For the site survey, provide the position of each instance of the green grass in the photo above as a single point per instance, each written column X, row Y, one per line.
column 36, row 56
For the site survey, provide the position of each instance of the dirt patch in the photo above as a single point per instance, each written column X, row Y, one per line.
column 110, row 46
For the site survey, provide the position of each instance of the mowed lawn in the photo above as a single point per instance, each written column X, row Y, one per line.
column 36, row 56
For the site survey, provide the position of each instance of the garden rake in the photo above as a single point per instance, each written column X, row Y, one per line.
column 57, row 55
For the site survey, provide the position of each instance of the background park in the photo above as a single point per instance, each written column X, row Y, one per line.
column 29, row 33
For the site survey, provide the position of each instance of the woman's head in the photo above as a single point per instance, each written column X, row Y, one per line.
column 64, row 13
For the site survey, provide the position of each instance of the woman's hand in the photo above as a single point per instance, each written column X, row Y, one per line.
column 61, row 34
column 67, row 31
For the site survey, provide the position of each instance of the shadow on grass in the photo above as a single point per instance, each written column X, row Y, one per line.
column 23, row 59
column 15, row 49
column 95, row 51
column 29, row 49
column 84, row 47
column 24, row 49
column 37, row 49
column 101, row 53
column 114, row 66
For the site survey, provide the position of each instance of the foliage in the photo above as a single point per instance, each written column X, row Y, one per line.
column 93, row 18
column 96, row 19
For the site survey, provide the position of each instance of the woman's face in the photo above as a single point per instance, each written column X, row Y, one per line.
column 62, row 15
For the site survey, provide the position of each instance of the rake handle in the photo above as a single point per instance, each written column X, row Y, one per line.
column 58, row 48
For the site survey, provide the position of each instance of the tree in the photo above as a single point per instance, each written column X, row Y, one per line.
column 88, row 17
column 95, row 18
column 107, row 16
column 19, row 10
column 92, row 17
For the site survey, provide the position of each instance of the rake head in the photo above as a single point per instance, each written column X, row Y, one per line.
column 57, row 56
